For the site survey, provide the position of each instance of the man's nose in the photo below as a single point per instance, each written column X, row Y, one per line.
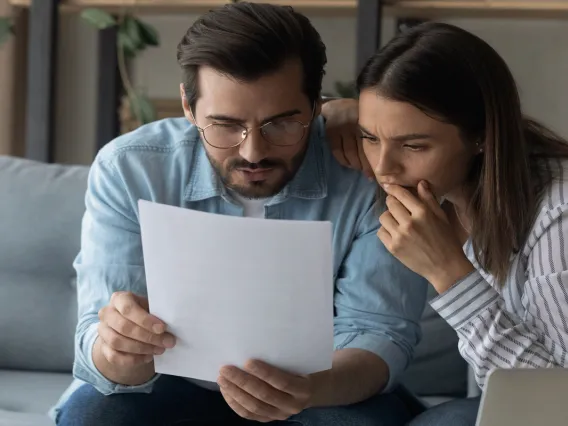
column 254, row 148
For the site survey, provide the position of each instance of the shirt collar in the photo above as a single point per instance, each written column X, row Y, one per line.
column 310, row 181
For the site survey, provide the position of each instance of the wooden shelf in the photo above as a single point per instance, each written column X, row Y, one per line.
column 180, row 6
column 143, row 6
column 402, row 8
column 487, row 8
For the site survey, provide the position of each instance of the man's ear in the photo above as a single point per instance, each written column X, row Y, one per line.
column 317, row 108
column 185, row 104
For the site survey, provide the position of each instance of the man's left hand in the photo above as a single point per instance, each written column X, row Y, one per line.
column 342, row 117
column 264, row 393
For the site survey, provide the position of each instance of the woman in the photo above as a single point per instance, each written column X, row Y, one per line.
column 476, row 199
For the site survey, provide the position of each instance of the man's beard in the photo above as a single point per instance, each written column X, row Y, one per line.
column 260, row 189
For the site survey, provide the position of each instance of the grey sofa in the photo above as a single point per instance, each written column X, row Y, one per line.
column 41, row 207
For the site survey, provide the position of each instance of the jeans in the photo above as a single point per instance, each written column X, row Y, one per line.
column 176, row 402
column 460, row 412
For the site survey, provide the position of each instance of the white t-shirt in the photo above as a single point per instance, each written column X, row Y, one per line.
column 253, row 207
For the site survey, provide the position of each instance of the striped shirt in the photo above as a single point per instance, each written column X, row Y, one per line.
column 524, row 323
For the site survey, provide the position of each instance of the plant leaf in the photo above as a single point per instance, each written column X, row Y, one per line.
column 142, row 108
column 132, row 29
column 148, row 33
column 127, row 45
column 6, row 28
column 99, row 18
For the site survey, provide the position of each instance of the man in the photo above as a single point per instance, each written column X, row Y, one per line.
column 255, row 146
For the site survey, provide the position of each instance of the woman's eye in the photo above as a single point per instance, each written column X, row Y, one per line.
column 415, row 147
column 370, row 139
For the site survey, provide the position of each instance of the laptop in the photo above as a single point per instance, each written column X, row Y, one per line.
column 525, row 397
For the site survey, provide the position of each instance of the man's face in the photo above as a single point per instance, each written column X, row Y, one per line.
column 268, row 158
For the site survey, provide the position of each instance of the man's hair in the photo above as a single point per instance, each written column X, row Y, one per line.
column 247, row 41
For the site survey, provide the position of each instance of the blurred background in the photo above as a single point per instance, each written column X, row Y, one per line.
column 532, row 36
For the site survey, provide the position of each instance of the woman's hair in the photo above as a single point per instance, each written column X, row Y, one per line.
column 456, row 77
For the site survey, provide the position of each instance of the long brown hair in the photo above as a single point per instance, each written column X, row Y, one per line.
column 456, row 77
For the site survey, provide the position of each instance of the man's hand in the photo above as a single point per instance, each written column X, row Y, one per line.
column 342, row 116
column 263, row 393
column 128, row 339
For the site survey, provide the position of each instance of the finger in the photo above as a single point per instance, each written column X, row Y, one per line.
column 292, row 384
column 430, row 200
column 241, row 411
column 253, row 405
column 389, row 223
column 385, row 237
column 367, row 169
column 135, row 308
column 125, row 344
column 397, row 210
column 351, row 152
column 127, row 328
column 121, row 359
column 337, row 149
column 412, row 204
column 261, row 389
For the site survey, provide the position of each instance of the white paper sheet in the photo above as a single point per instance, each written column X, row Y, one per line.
column 231, row 289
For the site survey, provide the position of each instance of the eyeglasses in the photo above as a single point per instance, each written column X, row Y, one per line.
column 281, row 132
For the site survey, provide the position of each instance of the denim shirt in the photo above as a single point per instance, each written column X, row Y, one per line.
column 377, row 301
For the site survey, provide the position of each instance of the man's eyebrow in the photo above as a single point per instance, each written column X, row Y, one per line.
column 223, row 117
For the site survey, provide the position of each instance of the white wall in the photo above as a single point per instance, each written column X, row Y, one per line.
column 536, row 51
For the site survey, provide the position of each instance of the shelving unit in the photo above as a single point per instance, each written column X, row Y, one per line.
column 42, row 44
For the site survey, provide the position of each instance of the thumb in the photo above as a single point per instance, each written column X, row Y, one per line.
column 430, row 200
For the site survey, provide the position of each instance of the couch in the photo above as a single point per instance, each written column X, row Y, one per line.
column 40, row 220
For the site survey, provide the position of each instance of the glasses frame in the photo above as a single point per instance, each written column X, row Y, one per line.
column 247, row 130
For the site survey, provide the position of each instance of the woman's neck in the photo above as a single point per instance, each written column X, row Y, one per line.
column 457, row 211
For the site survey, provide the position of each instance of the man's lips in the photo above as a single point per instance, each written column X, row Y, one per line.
column 255, row 175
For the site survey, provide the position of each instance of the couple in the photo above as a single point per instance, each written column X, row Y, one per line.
column 471, row 200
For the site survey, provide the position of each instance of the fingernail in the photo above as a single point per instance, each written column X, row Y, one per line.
column 148, row 359
column 425, row 184
column 159, row 351
column 168, row 341
column 158, row 328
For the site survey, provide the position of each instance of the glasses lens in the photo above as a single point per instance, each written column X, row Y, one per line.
column 224, row 135
column 285, row 132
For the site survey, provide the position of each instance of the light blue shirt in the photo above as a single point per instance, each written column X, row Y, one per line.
column 378, row 302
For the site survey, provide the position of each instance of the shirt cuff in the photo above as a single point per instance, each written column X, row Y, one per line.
column 465, row 300
column 395, row 358
column 88, row 372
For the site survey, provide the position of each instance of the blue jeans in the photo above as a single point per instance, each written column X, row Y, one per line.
column 460, row 412
column 177, row 402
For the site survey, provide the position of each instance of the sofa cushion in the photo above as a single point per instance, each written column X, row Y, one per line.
column 438, row 368
column 31, row 392
column 40, row 222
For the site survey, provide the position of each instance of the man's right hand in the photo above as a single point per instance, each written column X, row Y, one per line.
column 128, row 338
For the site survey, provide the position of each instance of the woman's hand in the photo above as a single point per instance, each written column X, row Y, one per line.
column 342, row 116
column 417, row 232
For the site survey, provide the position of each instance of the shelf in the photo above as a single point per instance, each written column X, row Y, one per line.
column 180, row 6
column 400, row 8
column 487, row 8
column 142, row 6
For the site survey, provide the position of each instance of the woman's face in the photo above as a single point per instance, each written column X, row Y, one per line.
column 404, row 146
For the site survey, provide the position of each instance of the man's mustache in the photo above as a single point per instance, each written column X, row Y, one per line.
column 263, row 164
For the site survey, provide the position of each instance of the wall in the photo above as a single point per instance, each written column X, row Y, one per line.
column 6, row 82
column 536, row 51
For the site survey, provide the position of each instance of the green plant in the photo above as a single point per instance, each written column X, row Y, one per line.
column 134, row 36
column 6, row 28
